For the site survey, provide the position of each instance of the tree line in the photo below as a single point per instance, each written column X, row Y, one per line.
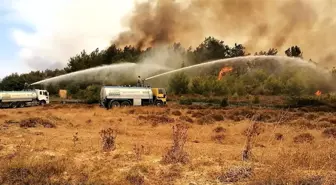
column 210, row 49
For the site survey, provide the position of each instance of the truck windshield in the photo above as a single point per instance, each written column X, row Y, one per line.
column 162, row 91
column 45, row 93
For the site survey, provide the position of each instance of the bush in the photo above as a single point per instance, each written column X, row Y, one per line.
column 108, row 137
column 197, row 85
column 185, row 101
column 256, row 100
column 176, row 153
column 273, row 85
column 224, row 102
column 179, row 83
column 91, row 94
column 303, row 101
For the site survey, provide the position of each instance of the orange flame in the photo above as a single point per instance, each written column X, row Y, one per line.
column 223, row 71
column 318, row 93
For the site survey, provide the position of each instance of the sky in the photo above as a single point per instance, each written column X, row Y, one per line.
column 44, row 34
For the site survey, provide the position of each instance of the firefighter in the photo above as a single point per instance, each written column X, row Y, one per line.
column 139, row 82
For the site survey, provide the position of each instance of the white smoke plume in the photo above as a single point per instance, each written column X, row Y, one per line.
column 63, row 28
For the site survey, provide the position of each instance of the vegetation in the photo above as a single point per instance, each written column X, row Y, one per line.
column 241, row 81
column 207, row 145
column 258, row 82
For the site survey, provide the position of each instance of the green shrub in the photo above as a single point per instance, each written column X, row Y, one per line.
column 179, row 83
column 256, row 100
column 185, row 101
column 197, row 85
column 72, row 88
column 224, row 102
column 273, row 85
column 294, row 87
column 240, row 88
column 91, row 94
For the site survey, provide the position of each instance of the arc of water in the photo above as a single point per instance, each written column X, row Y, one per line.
column 243, row 58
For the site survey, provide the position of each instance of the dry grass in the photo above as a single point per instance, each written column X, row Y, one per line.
column 290, row 147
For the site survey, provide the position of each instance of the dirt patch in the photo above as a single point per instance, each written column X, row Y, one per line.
column 2, row 116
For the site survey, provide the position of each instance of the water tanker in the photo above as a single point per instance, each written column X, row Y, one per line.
column 116, row 96
column 24, row 98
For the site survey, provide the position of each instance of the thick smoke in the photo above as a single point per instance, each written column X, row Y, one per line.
column 259, row 24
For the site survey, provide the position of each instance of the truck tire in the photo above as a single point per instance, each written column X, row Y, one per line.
column 158, row 103
column 125, row 104
column 42, row 102
column 22, row 105
column 13, row 105
column 113, row 104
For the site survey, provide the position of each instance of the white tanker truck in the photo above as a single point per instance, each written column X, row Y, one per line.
column 116, row 96
column 14, row 99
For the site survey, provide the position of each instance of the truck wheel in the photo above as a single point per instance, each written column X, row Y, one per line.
column 42, row 102
column 114, row 104
column 158, row 103
column 125, row 104
column 13, row 105
column 21, row 105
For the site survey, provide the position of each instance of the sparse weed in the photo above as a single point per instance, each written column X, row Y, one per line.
column 108, row 137
column 253, row 131
column 139, row 150
column 75, row 138
column 177, row 154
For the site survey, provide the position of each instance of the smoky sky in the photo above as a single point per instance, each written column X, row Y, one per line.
column 258, row 24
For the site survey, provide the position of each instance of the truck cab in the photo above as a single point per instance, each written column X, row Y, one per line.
column 159, row 96
column 42, row 96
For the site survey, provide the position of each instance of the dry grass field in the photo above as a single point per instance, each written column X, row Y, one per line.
column 191, row 145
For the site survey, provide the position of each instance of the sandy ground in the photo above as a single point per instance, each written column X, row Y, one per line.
column 285, row 147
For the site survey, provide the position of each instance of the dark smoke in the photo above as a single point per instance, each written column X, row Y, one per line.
column 259, row 24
